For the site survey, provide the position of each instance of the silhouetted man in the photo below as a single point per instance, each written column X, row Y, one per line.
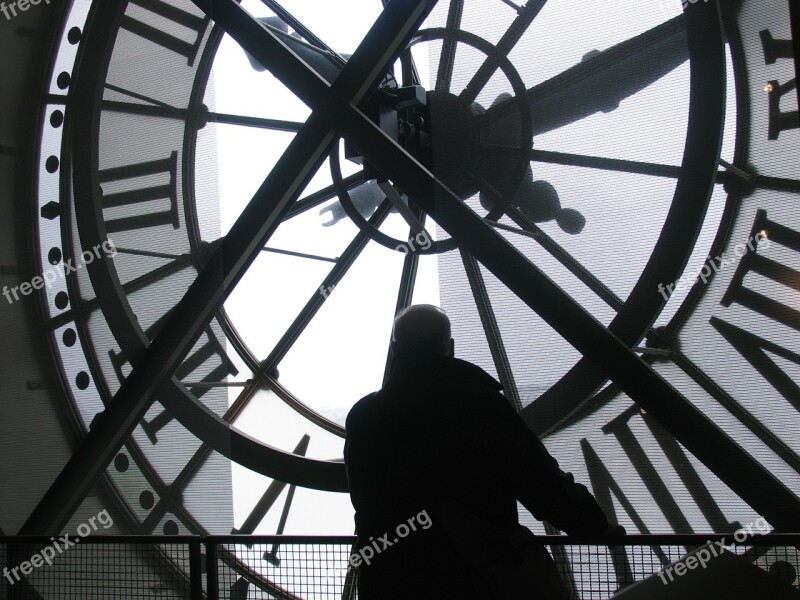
column 436, row 461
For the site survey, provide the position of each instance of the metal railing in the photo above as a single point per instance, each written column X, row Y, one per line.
column 237, row 567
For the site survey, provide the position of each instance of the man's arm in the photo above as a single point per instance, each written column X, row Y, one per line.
column 540, row 484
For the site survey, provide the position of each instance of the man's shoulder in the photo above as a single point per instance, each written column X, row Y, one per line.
column 469, row 374
column 442, row 375
column 359, row 409
column 448, row 371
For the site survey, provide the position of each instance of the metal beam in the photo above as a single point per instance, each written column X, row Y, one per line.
column 491, row 329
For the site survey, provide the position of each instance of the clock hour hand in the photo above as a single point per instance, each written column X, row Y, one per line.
column 598, row 83
column 367, row 196
column 536, row 200
column 323, row 61
column 275, row 23
column 539, row 202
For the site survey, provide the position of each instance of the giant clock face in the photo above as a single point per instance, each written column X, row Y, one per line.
column 584, row 135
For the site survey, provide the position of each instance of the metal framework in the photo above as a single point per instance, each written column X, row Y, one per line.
column 335, row 106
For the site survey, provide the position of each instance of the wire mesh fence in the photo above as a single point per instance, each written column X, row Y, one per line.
column 100, row 567
column 286, row 568
column 318, row 568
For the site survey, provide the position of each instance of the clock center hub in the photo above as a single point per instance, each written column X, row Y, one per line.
column 447, row 142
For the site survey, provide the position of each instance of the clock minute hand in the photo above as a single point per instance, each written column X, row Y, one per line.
column 598, row 83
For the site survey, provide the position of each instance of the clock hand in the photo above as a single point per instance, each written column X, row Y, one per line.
column 598, row 83
column 323, row 60
column 583, row 379
column 537, row 201
column 630, row 66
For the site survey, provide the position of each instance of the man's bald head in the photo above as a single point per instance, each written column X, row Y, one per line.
column 422, row 328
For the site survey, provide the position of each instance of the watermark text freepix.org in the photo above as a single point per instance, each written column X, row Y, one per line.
column 711, row 550
column 48, row 553
column 50, row 276
column 367, row 553
column 10, row 10
column 713, row 265
column 423, row 242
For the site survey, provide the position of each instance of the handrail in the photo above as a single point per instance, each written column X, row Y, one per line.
column 647, row 539
column 313, row 567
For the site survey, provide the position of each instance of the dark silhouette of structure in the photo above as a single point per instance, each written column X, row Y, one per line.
column 440, row 440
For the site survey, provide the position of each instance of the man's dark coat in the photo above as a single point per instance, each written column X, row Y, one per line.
column 439, row 437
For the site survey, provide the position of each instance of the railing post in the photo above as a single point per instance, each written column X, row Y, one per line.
column 211, row 569
column 195, row 570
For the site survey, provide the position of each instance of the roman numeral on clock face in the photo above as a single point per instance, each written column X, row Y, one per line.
column 779, row 121
column 178, row 30
column 131, row 189
column 208, row 357
column 755, row 348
